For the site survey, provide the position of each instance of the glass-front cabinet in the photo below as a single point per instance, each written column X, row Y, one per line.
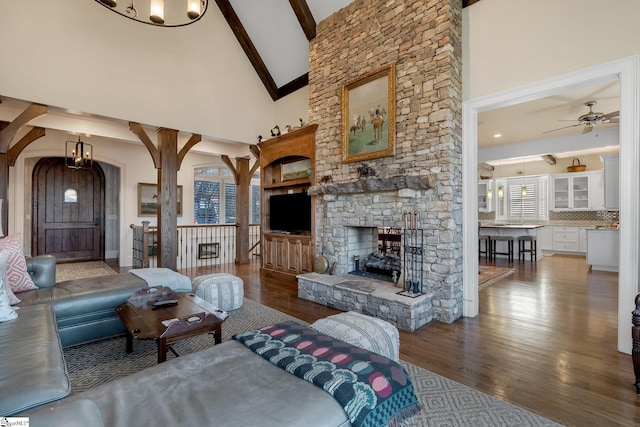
column 485, row 195
column 570, row 192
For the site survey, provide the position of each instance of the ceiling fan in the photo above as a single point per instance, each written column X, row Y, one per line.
column 591, row 119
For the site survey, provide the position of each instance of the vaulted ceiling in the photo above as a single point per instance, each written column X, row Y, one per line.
column 275, row 36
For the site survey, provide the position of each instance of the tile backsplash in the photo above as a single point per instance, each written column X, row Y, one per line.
column 566, row 216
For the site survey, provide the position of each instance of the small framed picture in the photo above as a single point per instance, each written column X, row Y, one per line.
column 148, row 199
column 299, row 169
column 208, row 250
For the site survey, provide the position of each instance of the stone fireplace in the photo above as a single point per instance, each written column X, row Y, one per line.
column 424, row 176
column 375, row 252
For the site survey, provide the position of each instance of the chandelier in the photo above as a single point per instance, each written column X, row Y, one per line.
column 152, row 12
column 78, row 155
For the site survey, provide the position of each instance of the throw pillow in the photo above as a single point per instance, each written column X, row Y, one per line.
column 6, row 311
column 4, row 256
column 18, row 277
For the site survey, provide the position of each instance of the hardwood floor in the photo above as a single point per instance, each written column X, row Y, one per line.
column 545, row 340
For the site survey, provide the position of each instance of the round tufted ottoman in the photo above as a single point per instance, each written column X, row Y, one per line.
column 370, row 333
column 223, row 290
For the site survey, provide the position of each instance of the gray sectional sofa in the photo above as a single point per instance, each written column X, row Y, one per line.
column 32, row 367
column 224, row 385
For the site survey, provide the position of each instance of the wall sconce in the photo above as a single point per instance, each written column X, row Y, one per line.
column 78, row 154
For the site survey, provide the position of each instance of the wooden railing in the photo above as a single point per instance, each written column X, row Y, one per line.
column 203, row 247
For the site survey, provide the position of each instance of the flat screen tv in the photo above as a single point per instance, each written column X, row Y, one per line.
column 290, row 212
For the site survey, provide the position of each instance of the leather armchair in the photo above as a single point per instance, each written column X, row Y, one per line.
column 42, row 269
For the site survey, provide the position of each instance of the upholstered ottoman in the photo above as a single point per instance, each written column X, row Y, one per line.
column 370, row 333
column 223, row 290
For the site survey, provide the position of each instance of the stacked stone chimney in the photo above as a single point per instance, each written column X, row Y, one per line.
column 423, row 39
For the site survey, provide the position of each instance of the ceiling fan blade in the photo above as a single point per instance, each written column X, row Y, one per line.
column 566, row 127
column 616, row 120
column 587, row 129
column 611, row 115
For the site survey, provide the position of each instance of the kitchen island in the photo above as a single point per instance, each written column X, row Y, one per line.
column 603, row 249
column 514, row 230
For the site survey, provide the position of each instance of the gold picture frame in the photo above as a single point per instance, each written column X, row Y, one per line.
column 369, row 116
column 148, row 199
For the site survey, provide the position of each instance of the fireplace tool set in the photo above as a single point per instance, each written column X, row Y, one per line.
column 413, row 256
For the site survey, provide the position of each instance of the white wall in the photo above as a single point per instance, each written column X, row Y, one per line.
column 78, row 55
column 510, row 43
column 292, row 107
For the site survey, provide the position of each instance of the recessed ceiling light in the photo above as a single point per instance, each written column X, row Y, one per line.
column 497, row 135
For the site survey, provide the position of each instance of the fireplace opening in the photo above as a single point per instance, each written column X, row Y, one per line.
column 378, row 257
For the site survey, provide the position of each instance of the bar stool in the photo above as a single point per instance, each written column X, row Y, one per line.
column 494, row 251
column 533, row 247
column 487, row 245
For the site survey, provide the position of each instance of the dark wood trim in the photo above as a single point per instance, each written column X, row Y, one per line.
column 307, row 22
column 248, row 47
column 293, row 86
column 466, row 3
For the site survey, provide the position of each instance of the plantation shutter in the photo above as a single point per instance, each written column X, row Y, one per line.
column 206, row 202
column 255, row 204
column 229, row 203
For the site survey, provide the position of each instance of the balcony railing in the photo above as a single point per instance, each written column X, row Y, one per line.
column 200, row 247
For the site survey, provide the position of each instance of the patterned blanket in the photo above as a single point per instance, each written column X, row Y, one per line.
column 373, row 390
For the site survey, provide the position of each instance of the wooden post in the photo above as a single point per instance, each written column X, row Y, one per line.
column 168, row 198
column 243, row 211
column 242, row 177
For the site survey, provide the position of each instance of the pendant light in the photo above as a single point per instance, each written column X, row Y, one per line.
column 156, row 11
column 500, row 187
column 523, row 190
column 194, row 8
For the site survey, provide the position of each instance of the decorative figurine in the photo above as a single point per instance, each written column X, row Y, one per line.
column 275, row 131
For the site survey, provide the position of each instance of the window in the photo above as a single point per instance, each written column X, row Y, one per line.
column 255, row 204
column 215, row 197
column 514, row 206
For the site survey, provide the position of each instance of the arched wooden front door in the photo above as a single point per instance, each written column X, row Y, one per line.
column 68, row 211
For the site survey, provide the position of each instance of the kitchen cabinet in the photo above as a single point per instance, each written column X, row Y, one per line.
column 546, row 238
column 596, row 191
column 576, row 191
column 485, row 197
column 582, row 239
column 566, row 239
column 611, row 181
column 603, row 249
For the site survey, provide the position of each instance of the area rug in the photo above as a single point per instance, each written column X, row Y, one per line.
column 445, row 402
column 78, row 270
column 489, row 275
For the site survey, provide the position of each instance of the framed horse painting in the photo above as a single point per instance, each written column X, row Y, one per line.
column 369, row 116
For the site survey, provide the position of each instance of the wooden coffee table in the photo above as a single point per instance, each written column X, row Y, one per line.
column 189, row 317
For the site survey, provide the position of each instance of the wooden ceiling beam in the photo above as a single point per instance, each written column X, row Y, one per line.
column 32, row 112
column 307, row 22
column 195, row 138
column 137, row 130
column 248, row 47
column 466, row 3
